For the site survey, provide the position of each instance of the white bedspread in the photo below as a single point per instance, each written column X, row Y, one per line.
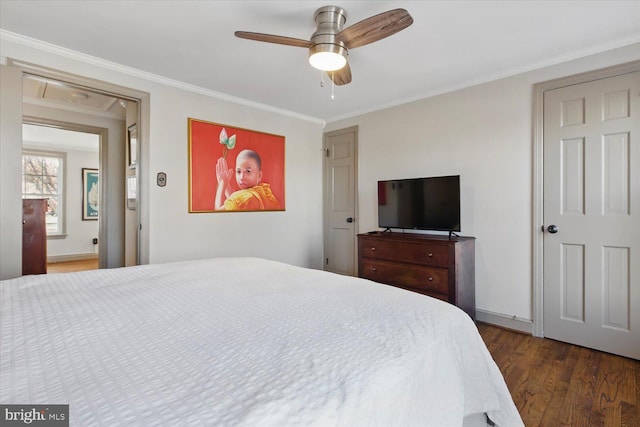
column 242, row 342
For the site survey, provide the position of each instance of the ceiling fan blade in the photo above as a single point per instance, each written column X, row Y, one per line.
column 342, row 76
column 375, row 28
column 270, row 38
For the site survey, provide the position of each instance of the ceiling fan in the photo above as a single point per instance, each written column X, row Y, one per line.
column 330, row 44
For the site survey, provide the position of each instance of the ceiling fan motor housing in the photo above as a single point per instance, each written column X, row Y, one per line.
column 330, row 21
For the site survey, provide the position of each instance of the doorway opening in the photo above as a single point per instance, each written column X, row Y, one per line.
column 57, row 160
column 57, row 100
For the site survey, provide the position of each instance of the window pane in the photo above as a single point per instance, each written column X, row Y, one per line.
column 52, row 217
column 33, row 184
column 51, row 223
column 52, row 206
column 33, row 165
column 51, row 166
column 42, row 179
column 50, row 185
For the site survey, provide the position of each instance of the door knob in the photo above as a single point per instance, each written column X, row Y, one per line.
column 349, row 219
column 553, row 229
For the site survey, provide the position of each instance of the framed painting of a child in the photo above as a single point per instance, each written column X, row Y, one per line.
column 234, row 169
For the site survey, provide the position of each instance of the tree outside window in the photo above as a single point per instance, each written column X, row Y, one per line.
column 42, row 175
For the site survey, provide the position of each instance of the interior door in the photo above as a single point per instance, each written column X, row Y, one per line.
column 591, row 214
column 340, row 201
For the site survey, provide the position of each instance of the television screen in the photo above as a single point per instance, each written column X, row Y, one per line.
column 420, row 203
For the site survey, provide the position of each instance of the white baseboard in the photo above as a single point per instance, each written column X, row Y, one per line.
column 509, row 322
column 72, row 257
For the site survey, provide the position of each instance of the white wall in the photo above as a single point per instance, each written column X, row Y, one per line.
column 483, row 133
column 293, row 236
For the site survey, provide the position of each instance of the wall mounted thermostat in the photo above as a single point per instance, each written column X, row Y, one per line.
column 162, row 179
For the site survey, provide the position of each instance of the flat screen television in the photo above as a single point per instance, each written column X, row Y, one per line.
column 420, row 203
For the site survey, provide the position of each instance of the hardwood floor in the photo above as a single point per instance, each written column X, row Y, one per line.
column 557, row 384
column 67, row 266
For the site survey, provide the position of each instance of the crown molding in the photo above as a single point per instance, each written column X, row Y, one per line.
column 134, row 72
column 575, row 55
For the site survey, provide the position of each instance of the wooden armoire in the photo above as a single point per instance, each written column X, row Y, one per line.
column 34, row 236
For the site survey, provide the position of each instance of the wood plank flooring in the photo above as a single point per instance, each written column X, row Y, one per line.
column 67, row 266
column 556, row 384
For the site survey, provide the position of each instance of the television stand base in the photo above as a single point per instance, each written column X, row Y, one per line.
column 451, row 233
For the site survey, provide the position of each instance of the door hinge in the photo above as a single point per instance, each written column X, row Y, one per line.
column 326, row 261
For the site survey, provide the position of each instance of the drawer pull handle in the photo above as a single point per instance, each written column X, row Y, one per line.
column 429, row 254
column 373, row 249
column 374, row 269
column 430, row 278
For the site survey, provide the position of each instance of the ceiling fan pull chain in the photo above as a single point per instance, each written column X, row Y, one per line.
column 321, row 78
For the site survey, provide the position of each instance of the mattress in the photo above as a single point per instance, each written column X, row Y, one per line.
column 242, row 342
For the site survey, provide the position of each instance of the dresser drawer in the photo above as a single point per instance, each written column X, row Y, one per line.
column 433, row 280
column 436, row 265
column 426, row 254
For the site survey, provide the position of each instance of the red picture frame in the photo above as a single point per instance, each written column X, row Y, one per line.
column 209, row 142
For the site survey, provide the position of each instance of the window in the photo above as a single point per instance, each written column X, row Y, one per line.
column 42, row 178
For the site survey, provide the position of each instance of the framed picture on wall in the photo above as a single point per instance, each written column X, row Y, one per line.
column 132, row 145
column 90, row 194
column 234, row 169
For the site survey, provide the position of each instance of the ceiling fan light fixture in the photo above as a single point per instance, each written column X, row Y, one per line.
column 327, row 56
column 330, row 44
column 77, row 97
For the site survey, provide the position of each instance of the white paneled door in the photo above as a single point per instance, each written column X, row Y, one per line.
column 340, row 201
column 592, row 214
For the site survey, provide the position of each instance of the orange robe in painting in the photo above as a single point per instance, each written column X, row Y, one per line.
column 258, row 198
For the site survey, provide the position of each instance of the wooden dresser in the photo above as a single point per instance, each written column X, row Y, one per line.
column 34, row 236
column 429, row 264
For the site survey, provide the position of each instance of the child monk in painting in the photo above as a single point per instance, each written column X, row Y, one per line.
column 252, row 195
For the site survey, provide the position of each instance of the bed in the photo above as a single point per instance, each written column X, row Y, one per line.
column 243, row 342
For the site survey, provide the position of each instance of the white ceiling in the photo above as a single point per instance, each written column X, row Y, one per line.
column 452, row 44
column 55, row 94
column 46, row 137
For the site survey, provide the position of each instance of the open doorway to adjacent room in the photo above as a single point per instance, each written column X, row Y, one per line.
column 57, row 163
column 85, row 133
